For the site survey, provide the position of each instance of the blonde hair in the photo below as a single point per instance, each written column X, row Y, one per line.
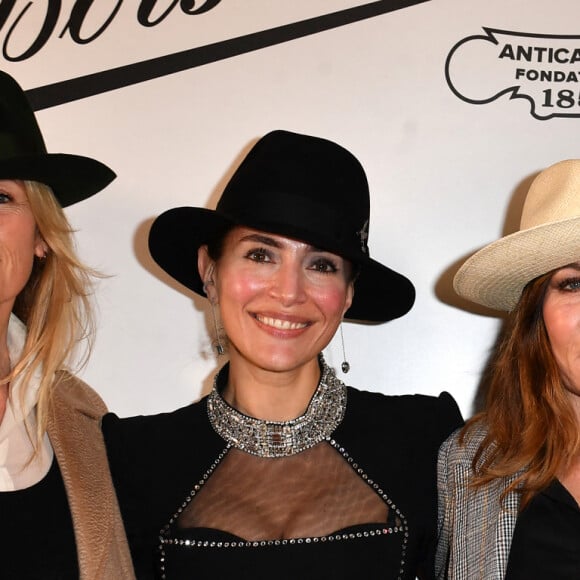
column 55, row 304
column 531, row 426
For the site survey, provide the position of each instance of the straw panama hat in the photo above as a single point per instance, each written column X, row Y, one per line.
column 548, row 238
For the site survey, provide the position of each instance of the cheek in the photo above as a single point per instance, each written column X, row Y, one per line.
column 239, row 288
column 562, row 325
column 18, row 240
column 331, row 300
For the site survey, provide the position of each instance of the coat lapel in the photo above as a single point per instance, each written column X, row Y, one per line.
column 477, row 524
column 75, row 434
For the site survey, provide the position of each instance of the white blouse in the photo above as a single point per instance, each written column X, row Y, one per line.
column 20, row 467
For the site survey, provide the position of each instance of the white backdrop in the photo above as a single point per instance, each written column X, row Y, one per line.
column 447, row 169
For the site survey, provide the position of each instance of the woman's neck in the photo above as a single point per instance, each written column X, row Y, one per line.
column 271, row 395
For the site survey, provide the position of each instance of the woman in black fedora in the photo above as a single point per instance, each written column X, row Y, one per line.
column 60, row 519
column 282, row 471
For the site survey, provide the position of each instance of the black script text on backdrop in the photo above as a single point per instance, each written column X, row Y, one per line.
column 77, row 18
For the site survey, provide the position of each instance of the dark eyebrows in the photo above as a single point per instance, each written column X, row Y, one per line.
column 261, row 239
column 573, row 266
column 267, row 240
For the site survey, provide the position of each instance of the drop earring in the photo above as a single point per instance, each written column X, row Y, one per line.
column 345, row 366
column 219, row 347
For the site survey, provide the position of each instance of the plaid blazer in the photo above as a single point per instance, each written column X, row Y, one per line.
column 475, row 525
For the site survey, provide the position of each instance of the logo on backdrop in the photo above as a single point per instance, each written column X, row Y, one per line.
column 543, row 69
column 80, row 26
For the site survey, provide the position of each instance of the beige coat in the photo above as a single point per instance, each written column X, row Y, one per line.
column 75, row 434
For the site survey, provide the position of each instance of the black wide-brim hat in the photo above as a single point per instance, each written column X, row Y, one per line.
column 23, row 154
column 301, row 187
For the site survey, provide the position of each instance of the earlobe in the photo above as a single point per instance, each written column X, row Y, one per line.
column 349, row 298
column 205, row 267
column 41, row 248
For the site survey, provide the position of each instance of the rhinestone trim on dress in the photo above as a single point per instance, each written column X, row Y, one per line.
column 282, row 438
column 401, row 526
column 401, row 520
column 285, row 542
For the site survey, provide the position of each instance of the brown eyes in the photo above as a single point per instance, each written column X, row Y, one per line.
column 259, row 255
column 324, row 266
column 317, row 264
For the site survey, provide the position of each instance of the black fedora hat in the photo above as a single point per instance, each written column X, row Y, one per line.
column 298, row 186
column 23, row 153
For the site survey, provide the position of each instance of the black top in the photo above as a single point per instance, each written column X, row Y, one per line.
column 546, row 540
column 156, row 461
column 36, row 532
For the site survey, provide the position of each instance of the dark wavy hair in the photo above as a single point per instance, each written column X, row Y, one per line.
column 531, row 426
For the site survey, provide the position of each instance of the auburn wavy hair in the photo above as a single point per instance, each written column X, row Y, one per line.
column 532, row 429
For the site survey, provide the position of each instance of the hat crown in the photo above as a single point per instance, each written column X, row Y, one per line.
column 553, row 196
column 19, row 132
column 23, row 154
column 304, row 186
column 548, row 238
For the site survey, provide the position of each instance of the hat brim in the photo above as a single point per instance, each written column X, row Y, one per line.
column 381, row 294
column 496, row 275
column 72, row 178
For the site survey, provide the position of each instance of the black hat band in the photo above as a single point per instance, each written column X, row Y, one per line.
column 318, row 224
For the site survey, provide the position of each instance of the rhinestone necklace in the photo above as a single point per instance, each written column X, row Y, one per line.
column 282, row 438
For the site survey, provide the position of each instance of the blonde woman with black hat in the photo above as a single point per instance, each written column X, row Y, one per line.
column 283, row 471
column 59, row 515
column 510, row 481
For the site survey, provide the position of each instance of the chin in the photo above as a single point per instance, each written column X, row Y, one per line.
column 281, row 362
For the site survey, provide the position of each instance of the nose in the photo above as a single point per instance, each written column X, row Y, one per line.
column 289, row 284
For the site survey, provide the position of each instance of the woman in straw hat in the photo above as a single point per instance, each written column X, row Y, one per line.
column 58, row 509
column 510, row 481
column 283, row 471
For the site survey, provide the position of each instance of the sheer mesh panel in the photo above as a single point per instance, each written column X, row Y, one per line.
column 313, row 493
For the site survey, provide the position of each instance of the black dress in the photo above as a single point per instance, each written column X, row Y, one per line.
column 383, row 453
column 36, row 533
column 546, row 540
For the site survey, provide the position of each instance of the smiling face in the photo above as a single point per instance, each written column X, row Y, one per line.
column 281, row 300
column 561, row 312
column 19, row 243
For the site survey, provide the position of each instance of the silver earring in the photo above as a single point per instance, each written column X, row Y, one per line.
column 345, row 366
column 218, row 346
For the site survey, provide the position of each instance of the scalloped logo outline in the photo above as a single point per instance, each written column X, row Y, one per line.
column 545, row 84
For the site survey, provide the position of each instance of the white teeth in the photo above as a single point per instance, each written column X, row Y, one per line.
column 281, row 324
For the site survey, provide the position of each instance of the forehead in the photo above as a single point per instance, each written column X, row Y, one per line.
column 568, row 269
column 13, row 184
column 241, row 234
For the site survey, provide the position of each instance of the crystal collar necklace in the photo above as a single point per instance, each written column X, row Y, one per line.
column 282, row 438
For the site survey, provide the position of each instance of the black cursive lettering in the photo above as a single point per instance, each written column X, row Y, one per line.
column 5, row 9
column 52, row 14
column 76, row 23
column 187, row 7
column 77, row 17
